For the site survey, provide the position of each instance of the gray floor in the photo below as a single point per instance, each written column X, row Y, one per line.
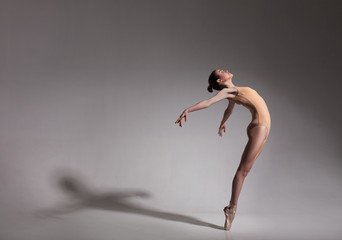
column 152, row 224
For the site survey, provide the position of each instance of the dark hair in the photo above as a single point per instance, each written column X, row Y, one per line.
column 212, row 82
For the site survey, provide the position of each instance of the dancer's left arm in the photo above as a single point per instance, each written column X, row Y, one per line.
column 226, row 115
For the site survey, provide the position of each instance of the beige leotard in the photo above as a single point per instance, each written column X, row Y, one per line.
column 249, row 98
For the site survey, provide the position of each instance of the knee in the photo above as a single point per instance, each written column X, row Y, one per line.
column 244, row 171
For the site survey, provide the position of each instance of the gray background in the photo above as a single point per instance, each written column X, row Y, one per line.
column 90, row 91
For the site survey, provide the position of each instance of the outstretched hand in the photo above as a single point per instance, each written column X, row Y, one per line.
column 183, row 115
column 222, row 127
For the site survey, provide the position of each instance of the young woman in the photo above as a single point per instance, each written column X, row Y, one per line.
column 257, row 130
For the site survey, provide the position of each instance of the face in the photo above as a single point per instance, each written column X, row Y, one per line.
column 224, row 75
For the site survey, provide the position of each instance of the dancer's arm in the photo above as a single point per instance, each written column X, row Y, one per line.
column 223, row 94
column 226, row 115
column 228, row 111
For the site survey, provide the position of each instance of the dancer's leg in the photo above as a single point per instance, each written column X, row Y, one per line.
column 257, row 138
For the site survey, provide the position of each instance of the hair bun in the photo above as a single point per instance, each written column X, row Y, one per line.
column 210, row 88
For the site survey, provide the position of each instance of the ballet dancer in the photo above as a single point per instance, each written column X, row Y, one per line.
column 257, row 131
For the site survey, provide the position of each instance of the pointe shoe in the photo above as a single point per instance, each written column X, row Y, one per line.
column 229, row 212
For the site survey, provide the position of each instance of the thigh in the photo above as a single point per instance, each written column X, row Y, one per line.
column 256, row 141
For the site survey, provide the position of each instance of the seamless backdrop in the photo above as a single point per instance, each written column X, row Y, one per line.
column 90, row 91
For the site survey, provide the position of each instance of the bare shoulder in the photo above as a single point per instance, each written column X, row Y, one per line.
column 225, row 93
column 231, row 90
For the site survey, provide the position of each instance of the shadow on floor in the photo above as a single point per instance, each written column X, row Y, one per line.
column 81, row 197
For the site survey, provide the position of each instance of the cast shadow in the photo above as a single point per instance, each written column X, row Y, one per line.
column 82, row 197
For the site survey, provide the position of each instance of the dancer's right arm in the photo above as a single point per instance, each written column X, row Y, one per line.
column 223, row 94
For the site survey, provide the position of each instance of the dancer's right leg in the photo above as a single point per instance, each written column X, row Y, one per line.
column 257, row 138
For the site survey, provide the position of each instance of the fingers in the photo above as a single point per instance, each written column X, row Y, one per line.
column 179, row 120
column 220, row 130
